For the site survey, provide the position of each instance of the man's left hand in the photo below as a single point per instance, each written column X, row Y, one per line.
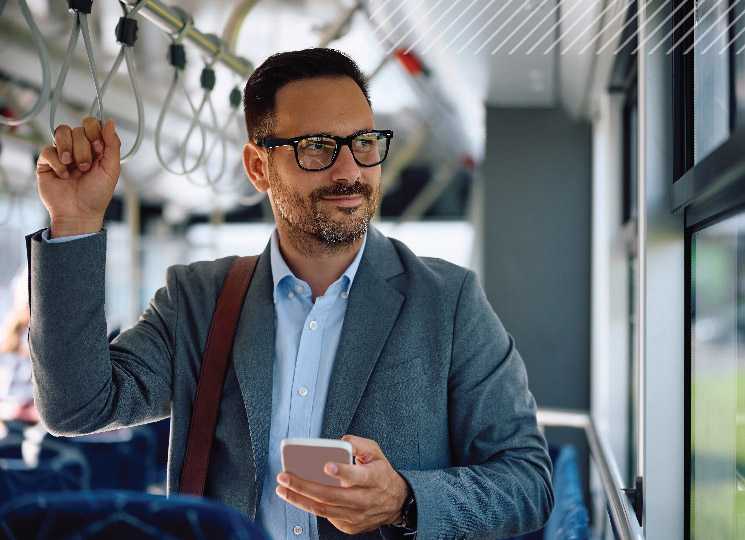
column 371, row 493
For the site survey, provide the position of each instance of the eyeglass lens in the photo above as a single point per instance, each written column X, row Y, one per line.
column 317, row 152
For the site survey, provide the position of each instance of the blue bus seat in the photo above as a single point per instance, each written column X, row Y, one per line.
column 122, row 515
column 123, row 459
column 570, row 518
column 52, row 467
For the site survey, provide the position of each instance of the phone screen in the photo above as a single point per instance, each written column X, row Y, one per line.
column 308, row 460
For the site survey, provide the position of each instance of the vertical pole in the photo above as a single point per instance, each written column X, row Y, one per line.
column 641, row 289
column 662, row 260
column 135, row 273
column 217, row 219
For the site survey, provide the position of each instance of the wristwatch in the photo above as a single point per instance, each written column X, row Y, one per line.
column 408, row 514
column 406, row 530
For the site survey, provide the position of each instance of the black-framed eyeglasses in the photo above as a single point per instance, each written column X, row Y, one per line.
column 319, row 152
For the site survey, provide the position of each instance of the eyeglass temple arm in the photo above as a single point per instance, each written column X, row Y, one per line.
column 271, row 142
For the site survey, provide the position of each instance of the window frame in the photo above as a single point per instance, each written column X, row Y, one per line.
column 706, row 192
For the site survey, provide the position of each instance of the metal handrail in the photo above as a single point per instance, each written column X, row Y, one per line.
column 622, row 515
column 170, row 21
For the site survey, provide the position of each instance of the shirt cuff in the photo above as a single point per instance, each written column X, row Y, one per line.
column 45, row 237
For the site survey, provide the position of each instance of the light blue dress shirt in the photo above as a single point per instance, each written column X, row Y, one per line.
column 306, row 339
column 305, row 344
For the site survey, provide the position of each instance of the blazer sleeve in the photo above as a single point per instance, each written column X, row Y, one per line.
column 81, row 384
column 501, row 482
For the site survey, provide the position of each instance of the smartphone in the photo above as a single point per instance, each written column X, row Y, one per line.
column 306, row 457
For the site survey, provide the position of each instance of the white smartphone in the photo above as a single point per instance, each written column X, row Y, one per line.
column 306, row 457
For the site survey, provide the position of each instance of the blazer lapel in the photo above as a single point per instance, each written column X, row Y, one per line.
column 253, row 356
column 372, row 309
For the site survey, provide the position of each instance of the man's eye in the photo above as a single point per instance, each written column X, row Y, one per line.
column 317, row 145
column 365, row 142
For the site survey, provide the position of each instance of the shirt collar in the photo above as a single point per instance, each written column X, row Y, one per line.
column 280, row 270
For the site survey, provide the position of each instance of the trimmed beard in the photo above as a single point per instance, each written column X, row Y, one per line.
column 306, row 219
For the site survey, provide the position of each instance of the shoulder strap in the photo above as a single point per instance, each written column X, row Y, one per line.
column 212, row 375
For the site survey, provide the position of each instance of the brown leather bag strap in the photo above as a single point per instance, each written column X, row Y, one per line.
column 212, row 375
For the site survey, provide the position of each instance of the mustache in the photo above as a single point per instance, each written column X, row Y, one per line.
column 343, row 190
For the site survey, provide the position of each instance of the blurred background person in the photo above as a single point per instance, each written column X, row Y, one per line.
column 16, row 391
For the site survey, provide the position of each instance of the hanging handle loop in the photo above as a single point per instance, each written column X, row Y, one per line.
column 126, row 34
column 177, row 59
column 81, row 10
column 46, row 71
column 235, row 101
column 207, row 81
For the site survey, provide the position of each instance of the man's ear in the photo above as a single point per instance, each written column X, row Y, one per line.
column 257, row 167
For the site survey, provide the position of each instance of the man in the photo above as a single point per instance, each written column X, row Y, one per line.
column 343, row 333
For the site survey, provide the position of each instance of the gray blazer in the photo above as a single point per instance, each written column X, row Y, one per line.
column 424, row 367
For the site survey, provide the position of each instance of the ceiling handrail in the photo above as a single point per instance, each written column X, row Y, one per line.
column 170, row 20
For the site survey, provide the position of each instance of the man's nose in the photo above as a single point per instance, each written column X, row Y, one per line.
column 345, row 169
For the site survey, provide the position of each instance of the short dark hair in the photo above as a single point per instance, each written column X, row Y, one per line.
column 283, row 68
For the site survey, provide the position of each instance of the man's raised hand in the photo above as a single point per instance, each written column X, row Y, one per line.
column 77, row 176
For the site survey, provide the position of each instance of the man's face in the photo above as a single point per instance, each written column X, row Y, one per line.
column 333, row 206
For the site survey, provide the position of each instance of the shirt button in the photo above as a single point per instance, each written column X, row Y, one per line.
column 298, row 530
column 298, row 289
column 313, row 325
column 344, row 294
column 291, row 295
column 303, row 391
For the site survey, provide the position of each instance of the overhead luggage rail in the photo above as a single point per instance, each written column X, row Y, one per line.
column 622, row 515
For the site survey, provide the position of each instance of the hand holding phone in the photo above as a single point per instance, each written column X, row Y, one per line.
column 306, row 457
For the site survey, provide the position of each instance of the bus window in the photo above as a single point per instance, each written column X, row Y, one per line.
column 717, row 495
